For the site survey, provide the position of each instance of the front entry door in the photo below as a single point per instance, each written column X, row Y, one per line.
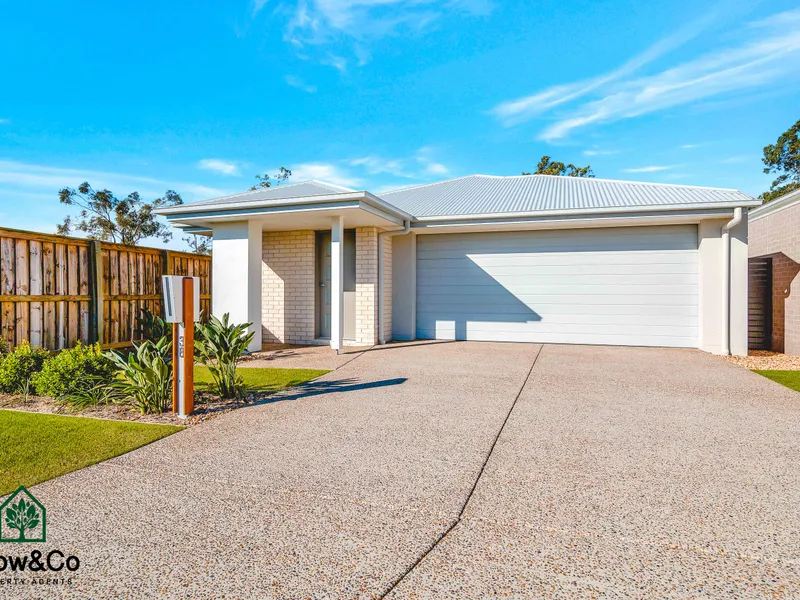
column 324, row 284
column 324, row 276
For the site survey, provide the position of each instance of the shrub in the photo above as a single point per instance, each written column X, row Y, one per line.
column 218, row 345
column 70, row 370
column 143, row 379
column 3, row 348
column 19, row 366
column 152, row 327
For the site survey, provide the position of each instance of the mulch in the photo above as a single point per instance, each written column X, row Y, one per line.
column 207, row 406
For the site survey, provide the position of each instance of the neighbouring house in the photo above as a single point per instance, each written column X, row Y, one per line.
column 520, row 259
column 774, row 264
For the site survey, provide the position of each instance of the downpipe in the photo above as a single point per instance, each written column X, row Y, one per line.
column 725, row 341
column 381, row 269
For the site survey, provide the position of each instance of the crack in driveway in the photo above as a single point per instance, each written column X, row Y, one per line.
column 460, row 515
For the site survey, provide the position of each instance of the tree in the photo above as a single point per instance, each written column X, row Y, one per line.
column 105, row 217
column 549, row 167
column 21, row 516
column 199, row 244
column 783, row 157
column 264, row 180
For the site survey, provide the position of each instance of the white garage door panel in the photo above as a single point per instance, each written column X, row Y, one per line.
column 628, row 286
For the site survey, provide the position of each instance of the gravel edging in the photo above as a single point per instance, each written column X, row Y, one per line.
column 765, row 360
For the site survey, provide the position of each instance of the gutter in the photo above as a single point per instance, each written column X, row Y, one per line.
column 615, row 210
column 381, row 270
column 726, row 281
column 786, row 201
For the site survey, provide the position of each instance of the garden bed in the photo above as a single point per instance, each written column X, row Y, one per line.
column 260, row 383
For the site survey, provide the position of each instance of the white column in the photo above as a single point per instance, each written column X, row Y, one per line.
column 337, row 282
column 236, row 275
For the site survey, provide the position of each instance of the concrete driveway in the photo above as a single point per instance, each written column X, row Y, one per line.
column 457, row 470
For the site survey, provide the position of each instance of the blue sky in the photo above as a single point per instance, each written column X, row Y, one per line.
column 379, row 94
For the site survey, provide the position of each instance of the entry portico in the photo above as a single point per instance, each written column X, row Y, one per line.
column 288, row 258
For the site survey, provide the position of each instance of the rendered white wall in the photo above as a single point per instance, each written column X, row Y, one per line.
column 739, row 292
column 236, row 274
column 404, row 287
column 711, row 286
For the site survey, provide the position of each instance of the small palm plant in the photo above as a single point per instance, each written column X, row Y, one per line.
column 219, row 345
column 143, row 378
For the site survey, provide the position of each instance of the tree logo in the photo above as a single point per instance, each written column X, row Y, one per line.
column 22, row 518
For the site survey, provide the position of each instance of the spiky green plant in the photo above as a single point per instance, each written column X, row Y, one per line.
column 219, row 345
column 144, row 380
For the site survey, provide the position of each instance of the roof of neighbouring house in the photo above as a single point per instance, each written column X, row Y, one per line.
column 491, row 195
column 786, row 201
column 301, row 189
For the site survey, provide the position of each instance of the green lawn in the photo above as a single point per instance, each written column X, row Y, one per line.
column 261, row 380
column 790, row 379
column 35, row 447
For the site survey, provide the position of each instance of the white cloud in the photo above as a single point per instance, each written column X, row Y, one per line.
column 219, row 166
column 375, row 165
column 732, row 160
column 772, row 53
column 523, row 109
column 689, row 146
column 600, row 152
column 435, row 168
column 649, row 169
column 298, row 83
column 319, row 23
column 418, row 166
column 18, row 177
column 329, row 172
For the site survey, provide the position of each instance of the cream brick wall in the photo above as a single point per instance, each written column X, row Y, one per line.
column 366, row 286
column 387, row 288
column 288, row 287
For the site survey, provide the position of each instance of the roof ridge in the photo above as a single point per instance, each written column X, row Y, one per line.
column 227, row 197
column 600, row 179
column 628, row 181
column 423, row 185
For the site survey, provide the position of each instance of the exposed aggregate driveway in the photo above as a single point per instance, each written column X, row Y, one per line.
column 457, row 470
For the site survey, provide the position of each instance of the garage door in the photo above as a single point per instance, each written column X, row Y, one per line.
column 624, row 286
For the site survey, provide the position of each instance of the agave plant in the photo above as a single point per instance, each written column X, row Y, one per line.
column 144, row 379
column 218, row 345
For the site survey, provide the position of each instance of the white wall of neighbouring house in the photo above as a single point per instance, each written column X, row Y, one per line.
column 236, row 274
column 711, row 274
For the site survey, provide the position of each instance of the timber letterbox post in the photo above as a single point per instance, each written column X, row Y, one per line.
column 182, row 309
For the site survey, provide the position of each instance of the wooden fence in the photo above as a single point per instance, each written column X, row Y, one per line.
column 57, row 290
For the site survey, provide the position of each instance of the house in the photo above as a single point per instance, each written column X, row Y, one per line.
column 522, row 259
column 774, row 264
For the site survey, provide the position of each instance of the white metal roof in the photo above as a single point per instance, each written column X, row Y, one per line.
column 301, row 189
column 493, row 195
column 490, row 196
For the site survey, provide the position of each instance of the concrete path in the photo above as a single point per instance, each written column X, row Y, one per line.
column 619, row 472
